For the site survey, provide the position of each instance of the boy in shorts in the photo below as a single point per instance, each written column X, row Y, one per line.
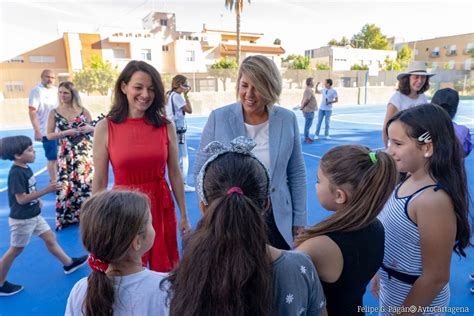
column 25, row 208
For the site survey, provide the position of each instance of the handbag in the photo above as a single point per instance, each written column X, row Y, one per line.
column 181, row 126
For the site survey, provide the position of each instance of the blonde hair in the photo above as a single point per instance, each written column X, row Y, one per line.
column 264, row 75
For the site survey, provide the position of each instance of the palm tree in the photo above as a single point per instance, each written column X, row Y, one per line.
column 238, row 5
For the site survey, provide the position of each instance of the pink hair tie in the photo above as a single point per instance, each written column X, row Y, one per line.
column 235, row 190
column 97, row 264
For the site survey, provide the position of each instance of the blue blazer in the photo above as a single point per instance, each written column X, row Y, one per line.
column 287, row 169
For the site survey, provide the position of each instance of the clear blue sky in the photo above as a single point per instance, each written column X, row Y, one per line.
column 302, row 24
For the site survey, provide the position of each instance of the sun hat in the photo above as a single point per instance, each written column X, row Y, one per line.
column 415, row 68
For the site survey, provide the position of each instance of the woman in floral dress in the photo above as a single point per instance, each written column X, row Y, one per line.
column 71, row 124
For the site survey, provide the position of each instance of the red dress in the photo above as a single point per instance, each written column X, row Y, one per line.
column 138, row 153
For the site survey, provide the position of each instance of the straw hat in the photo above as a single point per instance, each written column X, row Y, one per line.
column 415, row 68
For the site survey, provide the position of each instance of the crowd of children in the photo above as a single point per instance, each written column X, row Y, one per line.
column 398, row 216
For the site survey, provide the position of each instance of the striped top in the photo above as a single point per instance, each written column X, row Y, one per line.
column 402, row 250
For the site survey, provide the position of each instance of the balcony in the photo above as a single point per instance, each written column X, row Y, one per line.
column 434, row 54
column 468, row 51
column 451, row 53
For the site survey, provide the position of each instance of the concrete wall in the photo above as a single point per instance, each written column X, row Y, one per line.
column 14, row 112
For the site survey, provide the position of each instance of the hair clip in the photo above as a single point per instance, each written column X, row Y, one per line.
column 425, row 138
column 242, row 145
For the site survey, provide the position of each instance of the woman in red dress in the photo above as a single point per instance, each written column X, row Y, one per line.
column 139, row 143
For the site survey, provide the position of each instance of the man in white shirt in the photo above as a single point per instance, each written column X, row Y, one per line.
column 329, row 97
column 44, row 98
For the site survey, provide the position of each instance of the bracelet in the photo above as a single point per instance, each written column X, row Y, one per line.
column 60, row 134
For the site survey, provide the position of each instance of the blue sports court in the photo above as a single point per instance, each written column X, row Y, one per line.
column 46, row 287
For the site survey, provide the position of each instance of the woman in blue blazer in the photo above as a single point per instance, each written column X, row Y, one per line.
column 275, row 130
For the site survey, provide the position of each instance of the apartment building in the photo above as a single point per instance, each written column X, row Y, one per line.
column 344, row 57
column 454, row 52
column 158, row 43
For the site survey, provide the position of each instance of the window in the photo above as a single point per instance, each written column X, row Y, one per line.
column 434, row 66
column 435, row 52
column 165, row 48
column 415, row 52
column 451, row 50
column 189, row 55
column 451, row 65
column 118, row 52
column 469, row 48
column 163, row 22
column 42, row 59
column 145, row 54
column 468, row 64
column 17, row 59
column 13, row 86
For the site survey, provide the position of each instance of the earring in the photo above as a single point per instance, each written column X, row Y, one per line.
column 426, row 155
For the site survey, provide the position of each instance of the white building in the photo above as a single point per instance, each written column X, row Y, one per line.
column 344, row 57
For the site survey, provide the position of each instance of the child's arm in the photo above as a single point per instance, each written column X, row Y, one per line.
column 24, row 198
column 434, row 214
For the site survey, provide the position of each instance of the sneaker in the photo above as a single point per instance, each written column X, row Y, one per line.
column 188, row 188
column 308, row 141
column 471, row 277
column 9, row 289
column 76, row 264
column 472, row 290
column 328, row 137
column 316, row 137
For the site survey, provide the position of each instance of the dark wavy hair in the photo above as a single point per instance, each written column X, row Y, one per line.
column 404, row 85
column 110, row 221
column 225, row 269
column 13, row 145
column 155, row 113
column 370, row 185
column 446, row 165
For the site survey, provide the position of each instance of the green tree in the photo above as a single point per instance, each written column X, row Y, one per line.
column 322, row 66
column 225, row 68
column 391, row 65
column 343, row 42
column 300, row 62
column 237, row 6
column 359, row 67
column 370, row 36
column 97, row 76
column 404, row 56
column 289, row 58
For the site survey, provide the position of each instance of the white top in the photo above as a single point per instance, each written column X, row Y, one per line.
column 327, row 95
column 260, row 133
column 137, row 294
column 403, row 102
column 179, row 102
column 43, row 100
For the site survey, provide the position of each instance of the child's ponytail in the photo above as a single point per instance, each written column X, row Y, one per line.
column 225, row 268
column 110, row 221
column 369, row 177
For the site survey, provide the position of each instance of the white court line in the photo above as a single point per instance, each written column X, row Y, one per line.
column 195, row 127
column 36, row 174
column 193, row 149
column 311, row 155
column 335, row 118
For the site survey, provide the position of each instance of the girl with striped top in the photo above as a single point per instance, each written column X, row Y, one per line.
column 425, row 219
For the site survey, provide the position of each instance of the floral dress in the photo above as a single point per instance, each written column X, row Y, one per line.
column 75, row 171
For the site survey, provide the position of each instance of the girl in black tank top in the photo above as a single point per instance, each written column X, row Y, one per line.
column 347, row 248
